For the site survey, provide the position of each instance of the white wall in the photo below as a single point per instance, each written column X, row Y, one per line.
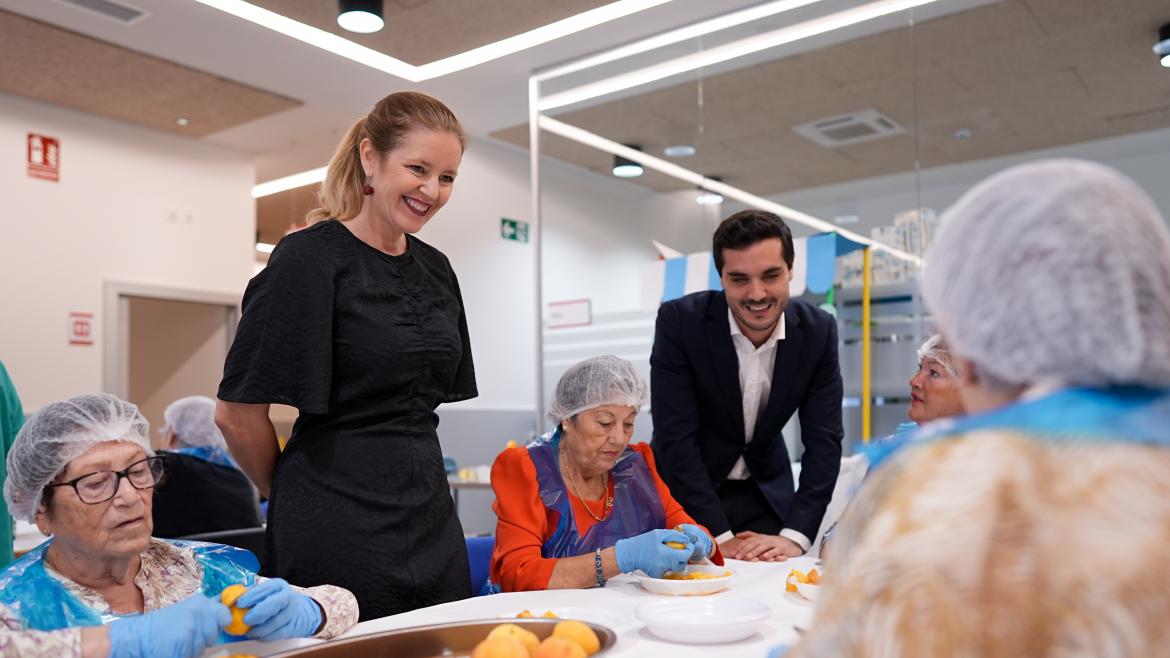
column 132, row 205
column 597, row 233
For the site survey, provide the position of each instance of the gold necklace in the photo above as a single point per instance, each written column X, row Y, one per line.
column 605, row 488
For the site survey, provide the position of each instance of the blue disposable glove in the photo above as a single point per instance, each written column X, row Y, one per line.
column 778, row 651
column 278, row 612
column 702, row 541
column 181, row 630
column 649, row 552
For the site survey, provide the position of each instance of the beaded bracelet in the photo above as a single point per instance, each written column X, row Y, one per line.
column 597, row 565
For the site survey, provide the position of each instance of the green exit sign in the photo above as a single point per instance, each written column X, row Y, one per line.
column 513, row 229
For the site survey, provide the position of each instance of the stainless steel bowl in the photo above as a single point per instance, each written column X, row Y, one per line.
column 441, row 640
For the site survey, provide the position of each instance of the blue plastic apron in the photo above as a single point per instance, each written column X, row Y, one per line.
column 44, row 604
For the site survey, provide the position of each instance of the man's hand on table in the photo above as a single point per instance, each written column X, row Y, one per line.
column 756, row 547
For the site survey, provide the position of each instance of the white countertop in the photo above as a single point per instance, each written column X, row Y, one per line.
column 755, row 581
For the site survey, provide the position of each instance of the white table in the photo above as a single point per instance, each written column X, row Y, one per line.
column 754, row 581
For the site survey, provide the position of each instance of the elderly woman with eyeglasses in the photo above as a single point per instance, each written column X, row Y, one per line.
column 84, row 472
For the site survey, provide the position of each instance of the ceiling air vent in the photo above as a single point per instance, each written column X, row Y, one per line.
column 852, row 128
column 123, row 13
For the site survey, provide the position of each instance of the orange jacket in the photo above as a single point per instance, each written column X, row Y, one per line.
column 524, row 525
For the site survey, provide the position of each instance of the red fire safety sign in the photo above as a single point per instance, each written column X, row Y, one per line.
column 44, row 157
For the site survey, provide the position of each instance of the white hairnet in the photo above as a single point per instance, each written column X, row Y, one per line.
column 936, row 350
column 59, row 433
column 1055, row 271
column 192, row 419
column 594, row 382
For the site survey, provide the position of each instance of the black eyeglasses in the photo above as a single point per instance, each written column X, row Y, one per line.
column 100, row 486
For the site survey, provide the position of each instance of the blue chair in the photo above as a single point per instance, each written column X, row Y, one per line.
column 479, row 557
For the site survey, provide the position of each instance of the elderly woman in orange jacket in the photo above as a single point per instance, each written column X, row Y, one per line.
column 581, row 504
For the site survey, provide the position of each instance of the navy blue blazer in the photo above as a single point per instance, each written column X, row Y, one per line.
column 697, row 406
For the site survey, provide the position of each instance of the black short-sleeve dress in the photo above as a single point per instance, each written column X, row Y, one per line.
column 366, row 346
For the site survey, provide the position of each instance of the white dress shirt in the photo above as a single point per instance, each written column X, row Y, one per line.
column 756, row 365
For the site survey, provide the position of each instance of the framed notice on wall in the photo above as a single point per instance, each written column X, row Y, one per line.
column 44, row 157
column 80, row 328
column 571, row 313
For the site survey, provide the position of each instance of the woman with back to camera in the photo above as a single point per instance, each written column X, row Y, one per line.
column 360, row 326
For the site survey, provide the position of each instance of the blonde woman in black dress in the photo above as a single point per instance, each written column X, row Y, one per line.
column 360, row 326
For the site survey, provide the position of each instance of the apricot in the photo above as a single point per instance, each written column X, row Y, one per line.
column 814, row 577
column 676, row 545
column 526, row 637
column 578, row 633
column 555, row 647
column 228, row 597
column 548, row 614
column 524, row 614
column 500, row 647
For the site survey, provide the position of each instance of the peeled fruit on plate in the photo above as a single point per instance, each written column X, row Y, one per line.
column 502, row 646
column 526, row 637
column 579, row 634
column 228, row 597
column 798, row 576
column 548, row 614
column 555, row 647
column 676, row 544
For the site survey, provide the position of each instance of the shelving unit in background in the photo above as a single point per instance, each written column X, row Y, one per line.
column 898, row 326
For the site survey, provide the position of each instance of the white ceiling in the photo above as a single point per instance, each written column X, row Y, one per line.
column 335, row 91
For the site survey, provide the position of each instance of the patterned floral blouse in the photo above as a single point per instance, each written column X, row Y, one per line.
column 168, row 574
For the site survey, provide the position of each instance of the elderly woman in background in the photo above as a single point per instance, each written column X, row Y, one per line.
column 583, row 504
column 934, row 394
column 985, row 537
column 205, row 490
column 102, row 586
column 934, row 388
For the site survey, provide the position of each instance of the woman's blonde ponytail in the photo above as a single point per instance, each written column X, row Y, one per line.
column 340, row 195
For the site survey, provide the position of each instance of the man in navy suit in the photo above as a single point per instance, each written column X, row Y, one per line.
column 727, row 371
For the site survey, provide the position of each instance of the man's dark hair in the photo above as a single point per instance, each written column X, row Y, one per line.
column 747, row 227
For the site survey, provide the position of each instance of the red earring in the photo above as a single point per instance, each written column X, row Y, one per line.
column 367, row 189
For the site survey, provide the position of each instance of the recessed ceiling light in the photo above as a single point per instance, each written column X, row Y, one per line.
column 963, row 134
column 183, row 121
column 626, row 168
column 361, row 16
column 679, row 151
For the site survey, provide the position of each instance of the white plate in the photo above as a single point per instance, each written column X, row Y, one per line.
column 703, row 621
column 616, row 622
column 700, row 587
column 807, row 590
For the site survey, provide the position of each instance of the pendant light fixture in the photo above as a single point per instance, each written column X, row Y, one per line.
column 361, row 16
column 625, row 168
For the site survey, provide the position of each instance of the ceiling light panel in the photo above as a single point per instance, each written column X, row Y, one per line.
column 369, row 57
column 727, row 52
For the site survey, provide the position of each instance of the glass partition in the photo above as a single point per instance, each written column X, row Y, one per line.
column 866, row 119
